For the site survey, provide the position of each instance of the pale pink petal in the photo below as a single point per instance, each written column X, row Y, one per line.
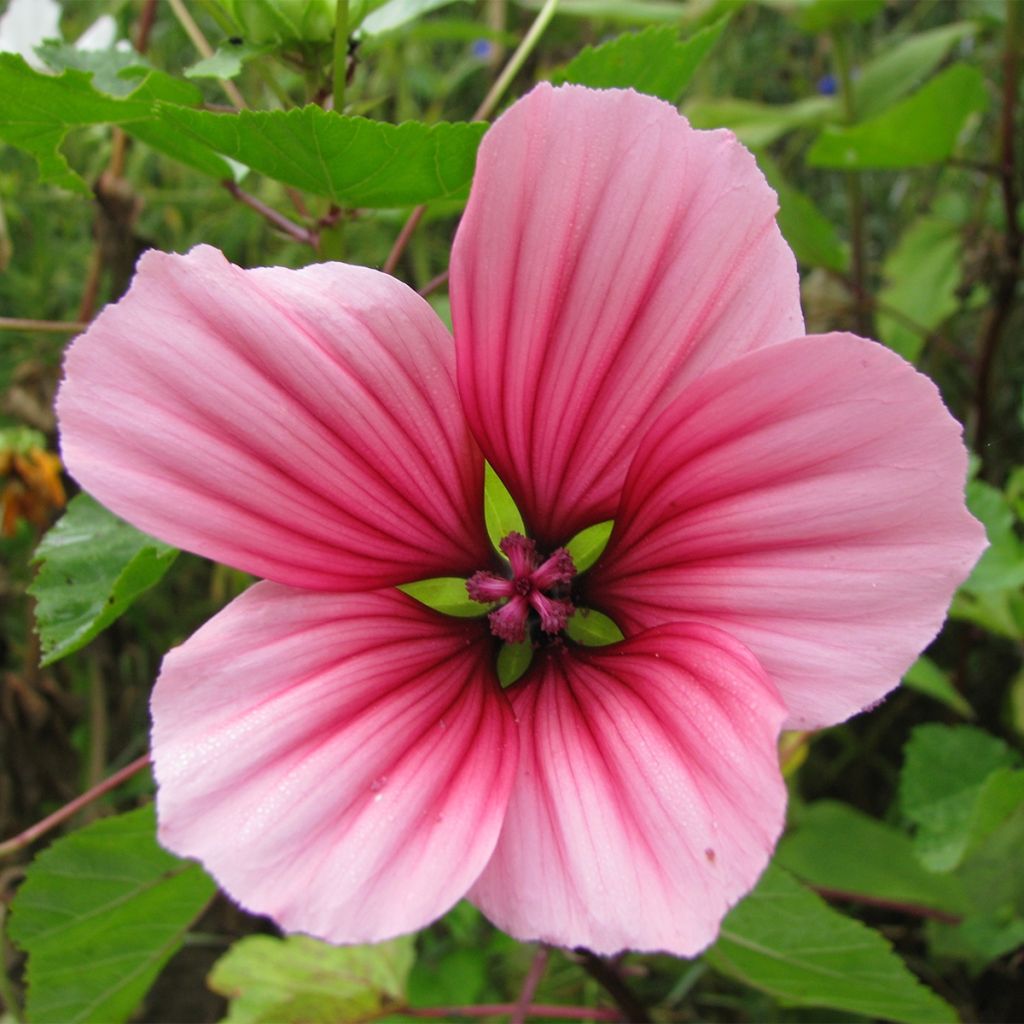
column 608, row 254
column 341, row 763
column 807, row 499
column 302, row 425
column 648, row 797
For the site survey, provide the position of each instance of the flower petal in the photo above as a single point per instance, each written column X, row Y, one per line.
column 301, row 425
column 807, row 499
column 608, row 254
column 341, row 763
column 648, row 797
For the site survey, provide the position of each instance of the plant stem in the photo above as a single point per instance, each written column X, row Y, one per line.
column 195, row 34
column 483, row 112
column 504, row 1009
column 279, row 220
column 607, row 976
column 340, row 55
column 854, row 195
column 16, row 323
column 40, row 828
column 1008, row 276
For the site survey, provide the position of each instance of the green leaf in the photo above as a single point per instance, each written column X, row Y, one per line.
column 903, row 67
column 837, row 848
column 926, row 677
column 945, row 789
column 759, row 124
column 101, row 911
column 1001, row 566
column 117, row 72
column 513, row 661
column 786, row 941
column 589, row 544
column 654, row 61
column 37, row 111
column 353, row 161
column 921, row 130
column 228, row 61
column 813, row 239
column 500, row 512
column 446, row 594
column 297, row 978
column 94, row 566
column 592, row 628
column 922, row 274
column 396, row 13
column 822, row 15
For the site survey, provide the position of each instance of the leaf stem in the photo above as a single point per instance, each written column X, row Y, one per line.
column 30, row 835
column 533, row 976
column 279, row 220
column 483, row 112
column 340, row 55
column 195, row 34
column 549, row 1010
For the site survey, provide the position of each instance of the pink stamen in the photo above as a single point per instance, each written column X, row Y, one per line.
column 488, row 586
column 554, row 614
column 526, row 590
column 509, row 621
column 558, row 568
column 521, row 553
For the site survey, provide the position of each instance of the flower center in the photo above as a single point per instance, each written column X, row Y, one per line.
column 537, row 592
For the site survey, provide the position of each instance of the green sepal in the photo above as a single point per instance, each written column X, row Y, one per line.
column 446, row 594
column 588, row 545
column 513, row 661
column 500, row 512
column 592, row 628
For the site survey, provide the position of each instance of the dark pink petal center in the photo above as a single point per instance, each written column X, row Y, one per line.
column 540, row 588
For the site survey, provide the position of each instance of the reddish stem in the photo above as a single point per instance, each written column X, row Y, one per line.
column 30, row 835
column 505, row 1009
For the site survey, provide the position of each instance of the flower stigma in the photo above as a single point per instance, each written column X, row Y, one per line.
column 536, row 594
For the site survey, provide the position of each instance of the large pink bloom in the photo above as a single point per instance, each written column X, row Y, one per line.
column 789, row 530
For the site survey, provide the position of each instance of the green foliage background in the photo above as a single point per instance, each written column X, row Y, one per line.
column 891, row 132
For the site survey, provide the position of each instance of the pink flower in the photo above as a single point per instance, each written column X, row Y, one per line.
column 789, row 527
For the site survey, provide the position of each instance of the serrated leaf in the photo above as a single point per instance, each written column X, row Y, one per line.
column 37, row 111
column 446, row 594
column 654, row 61
column 353, row 161
column 786, row 941
column 94, row 566
column 922, row 274
column 301, row 979
column 924, row 129
column 813, row 239
column 903, row 67
column 99, row 914
column 500, row 513
column 944, row 776
column 837, row 848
